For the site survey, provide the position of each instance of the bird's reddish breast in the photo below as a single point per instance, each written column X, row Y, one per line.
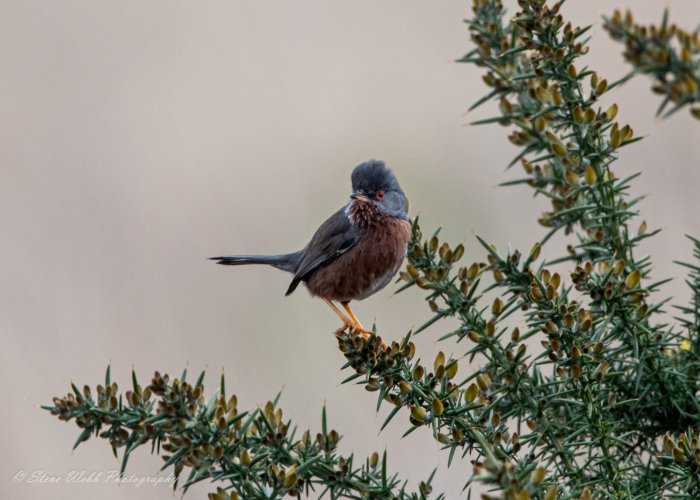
column 370, row 264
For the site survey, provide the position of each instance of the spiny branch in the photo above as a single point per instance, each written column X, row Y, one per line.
column 249, row 454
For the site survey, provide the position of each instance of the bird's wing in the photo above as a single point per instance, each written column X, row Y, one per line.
column 335, row 237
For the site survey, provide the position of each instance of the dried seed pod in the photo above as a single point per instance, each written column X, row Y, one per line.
column 627, row 133
column 668, row 443
column 471, row 392
column 419, row 413
column 515, row 335
column 433, row 243
column 569, row 320
column 245, row 458
column 409, row 351
column 443, row 251
column 538, row 475
column 423, row 283
column 536, row 293
column 601, row 87
column 458, row 252
column 483, row 381
column 540, row 124
column 439, row 361
column 590, row 175
column 633, row 279
column 557, row 96
column 437, row 407
column 602, row 370
column 497, row 306
column 642, row 228
column 615, row 138
column 542, row 95
column 619, row 267
column 451, row 370
column 559, row 150
column 290, row 477
column 506, row 106
column 590, row 115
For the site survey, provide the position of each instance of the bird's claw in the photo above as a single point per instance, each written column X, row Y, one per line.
column 363, row 332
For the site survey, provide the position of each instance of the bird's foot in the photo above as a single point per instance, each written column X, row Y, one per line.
column 347, row 325
column 340, row 331
column 362, row 332
column 352, row 323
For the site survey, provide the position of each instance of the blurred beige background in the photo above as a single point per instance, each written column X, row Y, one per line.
column 138, row 138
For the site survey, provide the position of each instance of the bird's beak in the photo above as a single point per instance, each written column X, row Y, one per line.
column 359, row 197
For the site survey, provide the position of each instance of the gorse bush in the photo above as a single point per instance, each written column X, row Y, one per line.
column 666, row 52
column 256, row 453
column 606, row 408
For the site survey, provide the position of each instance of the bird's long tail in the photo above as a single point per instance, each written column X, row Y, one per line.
column 285, row 262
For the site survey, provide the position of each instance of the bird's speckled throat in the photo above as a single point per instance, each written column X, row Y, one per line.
column 363, row 214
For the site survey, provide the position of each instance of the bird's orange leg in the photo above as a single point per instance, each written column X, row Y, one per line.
column 346, row 321
column 358, row 325
column 360, row 329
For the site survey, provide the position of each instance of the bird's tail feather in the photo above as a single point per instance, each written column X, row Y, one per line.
column 285, row 262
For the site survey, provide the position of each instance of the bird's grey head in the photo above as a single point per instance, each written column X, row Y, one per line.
column 373, row 182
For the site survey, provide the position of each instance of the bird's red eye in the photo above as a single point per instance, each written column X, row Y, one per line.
column 379, row 195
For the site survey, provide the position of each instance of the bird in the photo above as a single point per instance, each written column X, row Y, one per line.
column 355, row 252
